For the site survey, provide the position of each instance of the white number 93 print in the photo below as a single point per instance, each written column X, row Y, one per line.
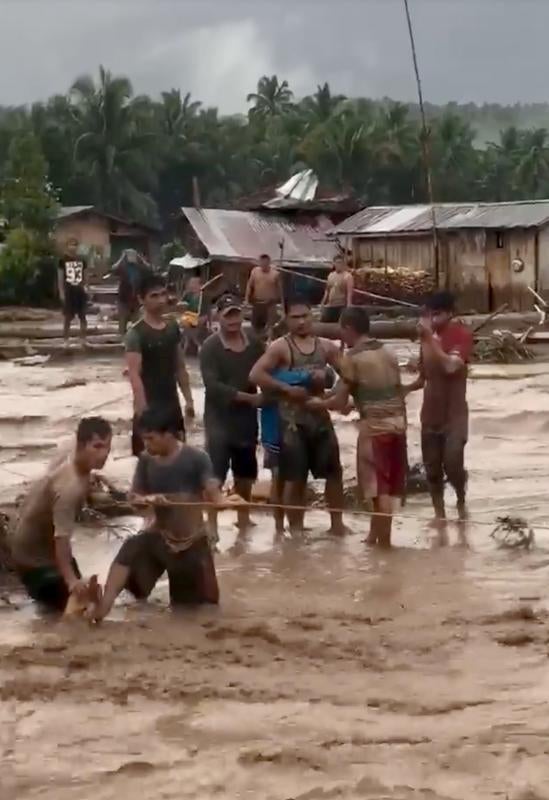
column 73, row 272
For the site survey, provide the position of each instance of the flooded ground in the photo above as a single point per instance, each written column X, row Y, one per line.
column 329, row 671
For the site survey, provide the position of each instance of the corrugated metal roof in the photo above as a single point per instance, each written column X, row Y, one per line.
column 70, row 211
column 391, row 220
column 244, row 235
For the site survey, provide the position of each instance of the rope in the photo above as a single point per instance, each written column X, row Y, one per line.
column 245, row 506
column 358, row 291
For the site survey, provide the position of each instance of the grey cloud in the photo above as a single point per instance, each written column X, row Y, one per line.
column 479, row 50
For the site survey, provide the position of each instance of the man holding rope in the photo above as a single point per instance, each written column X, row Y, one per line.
column 173, row 478
column 371, row 375
column 446, row 347
column 264, row 291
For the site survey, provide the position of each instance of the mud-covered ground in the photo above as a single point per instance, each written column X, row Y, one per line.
column 329, row 671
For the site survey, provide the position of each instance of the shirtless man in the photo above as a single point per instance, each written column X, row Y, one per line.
column 264, row 291
column 308, row 440
column 370, row 373
column 339, row 291
column 41, row 542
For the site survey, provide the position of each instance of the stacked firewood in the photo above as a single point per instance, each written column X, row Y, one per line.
column 399, row 283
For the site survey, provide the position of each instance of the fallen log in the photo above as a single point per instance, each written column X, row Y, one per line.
column 34, row 332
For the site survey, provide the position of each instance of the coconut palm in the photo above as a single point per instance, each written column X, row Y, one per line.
column 115, row 144
column 322, row 104
column 271, row 98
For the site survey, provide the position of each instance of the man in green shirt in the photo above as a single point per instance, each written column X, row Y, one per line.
column 155, row 361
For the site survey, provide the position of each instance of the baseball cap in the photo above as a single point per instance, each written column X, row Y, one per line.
column 228, row 303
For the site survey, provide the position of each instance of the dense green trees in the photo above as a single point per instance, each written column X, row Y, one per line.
column 137, row 156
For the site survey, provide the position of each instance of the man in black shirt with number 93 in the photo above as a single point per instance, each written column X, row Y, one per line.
column 72, row 289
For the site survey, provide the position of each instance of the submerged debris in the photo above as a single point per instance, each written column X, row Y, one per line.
column 512, row 532
column 501, row 347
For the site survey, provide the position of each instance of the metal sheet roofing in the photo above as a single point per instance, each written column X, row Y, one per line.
column 244, row 235
column 392, row 220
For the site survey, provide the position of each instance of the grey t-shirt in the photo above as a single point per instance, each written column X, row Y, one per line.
column 184, row 477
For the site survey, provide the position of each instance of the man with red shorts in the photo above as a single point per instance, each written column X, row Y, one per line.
column 371, row 375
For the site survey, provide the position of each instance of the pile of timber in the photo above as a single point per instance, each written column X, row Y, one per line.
column 399, row 283
column 501, row 347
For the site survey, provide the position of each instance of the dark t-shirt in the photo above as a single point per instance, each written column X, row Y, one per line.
column 185, row 477
column 130, row 274
column 160, row 354
column 444, row 398
column 225, row 373
column 73, row 270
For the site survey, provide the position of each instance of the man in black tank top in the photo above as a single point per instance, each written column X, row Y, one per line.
column 308, row 440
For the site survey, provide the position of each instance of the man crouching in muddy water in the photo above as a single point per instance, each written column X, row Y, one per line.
column 308, row 440
column 41, row 542
column 446, row 347
column 175, row 541
column 371, row 374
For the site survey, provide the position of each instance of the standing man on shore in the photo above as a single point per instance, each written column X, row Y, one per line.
column 339, row 291
column 264, row 291
column 130, row 269
column 230, row 411
column 446, row 348
column 71, row 282
column 308, row 439
column 155, row 361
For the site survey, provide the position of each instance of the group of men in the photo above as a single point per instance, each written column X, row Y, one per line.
column 292, row 383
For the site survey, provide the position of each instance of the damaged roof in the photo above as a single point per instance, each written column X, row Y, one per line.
column 244, row 235
column 392, row 220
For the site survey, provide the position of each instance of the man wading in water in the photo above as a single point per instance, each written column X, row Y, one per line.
column 155, row 361
column 339, row 291
column 370, row 373
column 41, row 542
column 175, row 541
column 446, row 347
column 264, row 291
column 230, row 409
column 308, row 440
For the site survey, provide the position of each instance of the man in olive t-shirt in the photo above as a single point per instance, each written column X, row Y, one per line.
column 155, row 361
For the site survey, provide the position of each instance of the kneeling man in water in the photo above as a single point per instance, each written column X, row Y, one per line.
column 176, row 540
column 41, row 542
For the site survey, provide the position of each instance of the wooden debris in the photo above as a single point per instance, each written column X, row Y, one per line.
column 512, row 533
column 502, row 347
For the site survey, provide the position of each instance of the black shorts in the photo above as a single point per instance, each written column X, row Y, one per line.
column 137, row 441
column 263, row 315
column 331, row 313
column 46, row 586
column 191, row 573
column 305, row 449
column 241, row 460
column 75, row 302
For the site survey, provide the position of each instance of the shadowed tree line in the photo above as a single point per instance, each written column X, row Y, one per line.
column 136, row 156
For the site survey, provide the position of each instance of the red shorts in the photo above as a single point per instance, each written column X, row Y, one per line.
column 382, row 464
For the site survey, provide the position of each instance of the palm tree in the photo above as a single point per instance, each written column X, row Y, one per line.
column 271, row 98
column 322, row 104
column 115, row 143
column 454, row 159
column 177, row 112
column 532, row 170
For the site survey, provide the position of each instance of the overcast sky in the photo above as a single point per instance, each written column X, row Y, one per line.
column 479, row 50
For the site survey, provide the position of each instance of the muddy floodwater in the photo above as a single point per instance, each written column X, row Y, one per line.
column 329, row 671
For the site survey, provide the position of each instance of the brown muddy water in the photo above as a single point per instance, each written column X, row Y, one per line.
column 328, row 671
